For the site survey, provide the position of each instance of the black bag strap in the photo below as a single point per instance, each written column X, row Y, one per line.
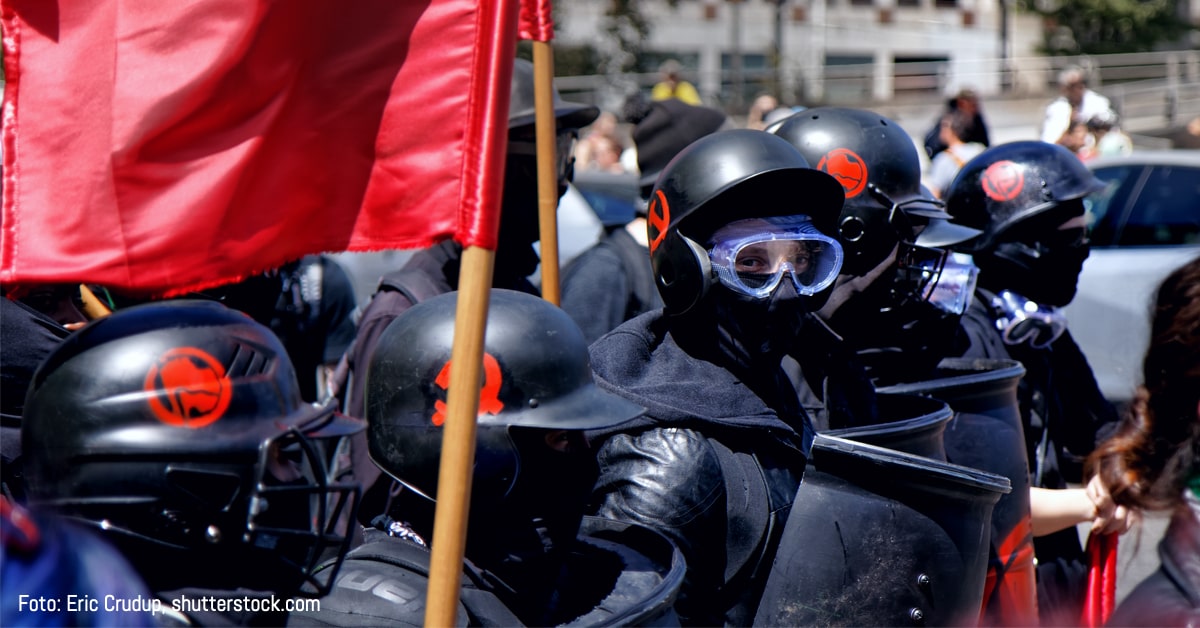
column 415, row 285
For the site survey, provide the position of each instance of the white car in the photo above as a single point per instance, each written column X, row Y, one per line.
column 1145, row 224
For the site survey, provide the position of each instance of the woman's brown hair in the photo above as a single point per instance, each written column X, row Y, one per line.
column 1147, row 463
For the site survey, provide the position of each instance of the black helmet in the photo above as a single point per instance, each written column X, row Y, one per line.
column 178, row 428
column 877, row 163
column 570, row 115
column 1012, row 183
column 537, row 374
column 1020, row 194
column 696, row 193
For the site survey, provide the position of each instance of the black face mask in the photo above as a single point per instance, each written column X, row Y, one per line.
column 1045, row 271
column 527, row 546
column 758, row 332
column 897, row 337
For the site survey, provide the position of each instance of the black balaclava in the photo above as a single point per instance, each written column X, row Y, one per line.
column 515, row 255
column 743, row 332
column 1036, row 259
column 519, row 542
column 898, row 337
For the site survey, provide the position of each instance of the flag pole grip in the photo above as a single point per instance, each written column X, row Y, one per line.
column 458, row 443
column 547, row 171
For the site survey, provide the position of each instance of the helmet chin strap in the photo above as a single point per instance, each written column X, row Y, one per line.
column 847, row 286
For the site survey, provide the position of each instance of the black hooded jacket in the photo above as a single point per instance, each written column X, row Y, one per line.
column 714, row 464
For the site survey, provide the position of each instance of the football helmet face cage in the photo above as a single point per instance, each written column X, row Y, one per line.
column 180, row 426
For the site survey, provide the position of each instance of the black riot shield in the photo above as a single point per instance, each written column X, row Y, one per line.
column 986, row 433
column 634, row 572
column 878, row 537
column 916, row 427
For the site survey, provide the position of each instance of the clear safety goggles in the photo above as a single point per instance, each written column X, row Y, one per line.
column 950, row 284
column 752, row 256
column 1024, row 321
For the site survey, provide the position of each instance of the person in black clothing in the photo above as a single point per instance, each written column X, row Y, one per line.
column 895, row 309
column 612, row 281
column 965, row 104
column 717, row 459
column 27, row 336
column 527, row 561
column 1027, row 199
column 177, row 431
column 434, row 271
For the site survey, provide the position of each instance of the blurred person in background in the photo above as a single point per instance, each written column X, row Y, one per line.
column 671, row 84
column 1153, row 461
column 612, row 281
column 1077, row 139
column 946, row 164
column 974, row 129
column 48, row 557
column 600, row 136
column 309, row 304
column 762, row 105
column 1107, row 138
column 1077, row 103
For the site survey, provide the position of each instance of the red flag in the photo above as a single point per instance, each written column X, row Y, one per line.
column 536, row 22
column 166, row 146
column 1101, row 598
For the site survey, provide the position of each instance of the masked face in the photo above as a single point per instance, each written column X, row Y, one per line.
column 525, row 543
column 897, row 338
column 1042, row 265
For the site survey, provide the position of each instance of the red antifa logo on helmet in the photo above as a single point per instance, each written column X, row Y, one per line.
column 188, row 388
column 848, row 168
column 657, row 219
column 1003, row 181
column 489, row 393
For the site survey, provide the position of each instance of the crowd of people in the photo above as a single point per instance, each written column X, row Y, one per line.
column 227, row 457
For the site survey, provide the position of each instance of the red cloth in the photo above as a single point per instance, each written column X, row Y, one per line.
column 536, row 21
column 162, row 147
column 1101, row 597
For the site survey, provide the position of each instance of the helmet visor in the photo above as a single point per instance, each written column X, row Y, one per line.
column 752, row 256
column 949, row 288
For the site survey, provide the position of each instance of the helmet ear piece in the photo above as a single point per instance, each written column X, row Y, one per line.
column 683, row 271
column 866, row 238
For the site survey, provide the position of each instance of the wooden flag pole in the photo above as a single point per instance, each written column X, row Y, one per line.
column 458, row 441
column 547, row 168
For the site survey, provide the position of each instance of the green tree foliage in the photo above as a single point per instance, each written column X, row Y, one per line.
column 619, row 50
column 1108, row 26
column 628, row 29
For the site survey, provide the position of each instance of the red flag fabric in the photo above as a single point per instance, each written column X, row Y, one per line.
column 162, row 147
column 536, row 22
column 1101, row 598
